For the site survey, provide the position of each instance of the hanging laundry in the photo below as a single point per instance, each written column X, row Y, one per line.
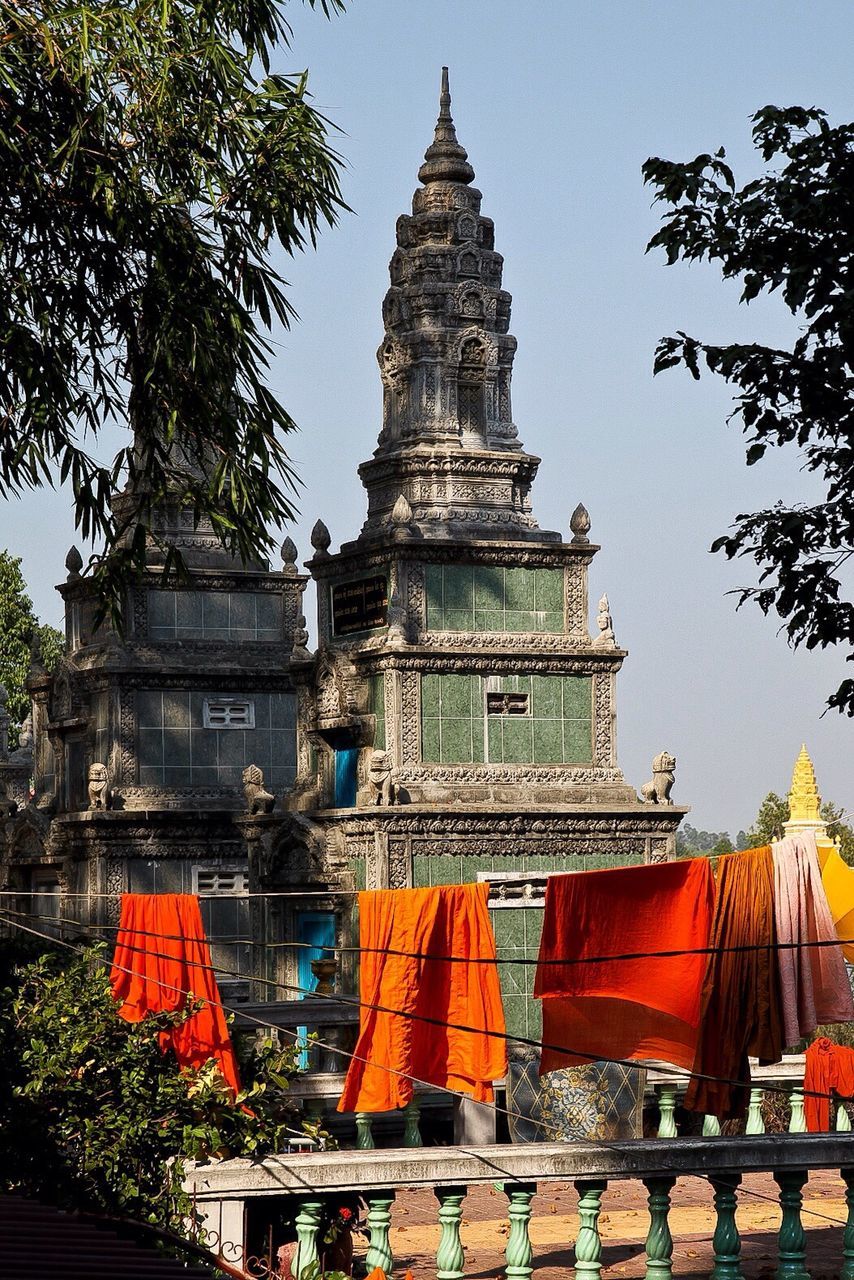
column 838, row 880
column 449, row 920
column 162, row 953
column 813, row 980
column 742, row 1006
column 624, row 1008
column 829, row 1068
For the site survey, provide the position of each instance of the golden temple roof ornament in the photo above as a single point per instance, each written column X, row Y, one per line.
column 805, row 803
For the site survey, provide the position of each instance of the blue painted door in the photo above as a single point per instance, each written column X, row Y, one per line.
column 317, row 930
column 346, row 759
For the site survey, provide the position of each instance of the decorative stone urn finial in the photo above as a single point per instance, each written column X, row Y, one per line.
column 321, row 538
column 324, row 969
column 73, row 562
column 579, row 523
column 401, row 513
column 289, row 556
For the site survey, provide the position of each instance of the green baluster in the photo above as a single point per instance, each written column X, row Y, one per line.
column 307, row 1223
column 843, row 1120
column 378, row 1218
column 588, row 1245
column 792, row 1239
column 364, row 1134
column 726, row 1242
column 659, row 1241
column 411, row 1132
column 519, row 1253
column 847, row 1272
column 797, row 1121
column 755, row 1123
column 449, row 1256
column 711, row 1127
column 667, row 1111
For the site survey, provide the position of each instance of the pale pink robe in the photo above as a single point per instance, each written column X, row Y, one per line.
column 814, row 980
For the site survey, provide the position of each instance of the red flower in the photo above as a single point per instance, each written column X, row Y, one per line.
column 345, row 1213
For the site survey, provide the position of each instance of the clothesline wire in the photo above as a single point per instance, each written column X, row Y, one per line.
column 453, row 1093
column 531, row 961
column 349, row 1001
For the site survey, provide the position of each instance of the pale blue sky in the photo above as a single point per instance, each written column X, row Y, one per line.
column 559, row 103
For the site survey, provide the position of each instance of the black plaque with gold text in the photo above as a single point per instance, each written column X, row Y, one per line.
column 359, row 606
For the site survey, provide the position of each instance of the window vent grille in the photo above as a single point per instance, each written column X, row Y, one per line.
column 209, row 880
column 507, row 704
column 229, row 713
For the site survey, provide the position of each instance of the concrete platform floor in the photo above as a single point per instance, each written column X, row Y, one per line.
column 623, row 1226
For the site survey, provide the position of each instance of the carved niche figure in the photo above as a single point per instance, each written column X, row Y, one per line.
column 25, row 737
column 663, row 776
column 605, row 638
column 300, row 652
column 258, row 800
column 100, row 795
column 381, row 778
column 8, row 806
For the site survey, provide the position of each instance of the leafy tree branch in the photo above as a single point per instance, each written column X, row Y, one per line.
column 791, row 231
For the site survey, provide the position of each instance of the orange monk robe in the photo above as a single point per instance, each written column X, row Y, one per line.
column 162, row 953
column 838, row 880
column 828, row 1068
column 623, row 1008
column 449, row 920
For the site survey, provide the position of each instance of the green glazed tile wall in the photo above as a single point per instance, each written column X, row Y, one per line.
column 464, row 597
column 517, row 931
column 557, row 730
column 451, row 719
column 376, row 707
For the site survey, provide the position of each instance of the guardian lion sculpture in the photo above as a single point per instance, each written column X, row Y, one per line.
column 663, row 776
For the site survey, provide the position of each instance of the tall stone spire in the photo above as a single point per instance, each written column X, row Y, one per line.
column 448, row 442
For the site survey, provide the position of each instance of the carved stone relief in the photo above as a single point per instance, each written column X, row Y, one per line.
column 410, row 735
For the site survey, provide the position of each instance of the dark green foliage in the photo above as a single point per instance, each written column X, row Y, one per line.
column 768, row 825
column 151, row 164
column 19, row 628
column 839, row 830
column 691, row 842
column 789, row 231
column 774, row 814
column 92, row 1112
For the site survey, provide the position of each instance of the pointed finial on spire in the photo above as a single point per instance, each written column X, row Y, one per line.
column 445, row 160
column 445, row 97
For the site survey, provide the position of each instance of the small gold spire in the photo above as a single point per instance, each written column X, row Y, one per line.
column 804, row 800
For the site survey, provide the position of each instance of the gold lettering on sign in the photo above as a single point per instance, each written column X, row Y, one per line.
column 360, row 605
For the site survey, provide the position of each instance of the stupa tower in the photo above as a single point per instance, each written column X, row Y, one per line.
column 448, row 445
column 454, row 642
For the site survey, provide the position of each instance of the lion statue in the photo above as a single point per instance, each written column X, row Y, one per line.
column 258, row 800
column 100, row 795
column 381, row 779
column 663, row 776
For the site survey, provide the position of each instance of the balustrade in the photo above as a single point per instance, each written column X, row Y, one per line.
column 221, row 1189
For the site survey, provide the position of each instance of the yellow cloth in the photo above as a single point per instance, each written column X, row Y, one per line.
column 838, row 880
